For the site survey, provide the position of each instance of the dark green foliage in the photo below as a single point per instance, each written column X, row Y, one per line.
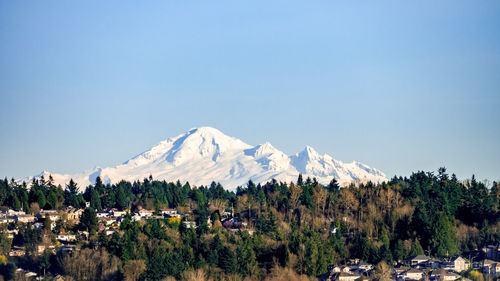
column 5, row 244
column 88, row 220
column 7, row 271
column 29, row 237
column 162, row 264
column 288, row 231
column 399, row 251
column 227, row 260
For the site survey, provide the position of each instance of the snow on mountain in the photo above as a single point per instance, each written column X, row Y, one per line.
column 202, row 155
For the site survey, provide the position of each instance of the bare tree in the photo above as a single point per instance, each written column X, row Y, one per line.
column 88, row 264
column 319, row 197
column 34, row 208
column 195, row 275
column 133, row 269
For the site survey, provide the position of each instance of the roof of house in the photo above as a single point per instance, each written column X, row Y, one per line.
column 488, row 262
column 456, row 258
column 421, row 257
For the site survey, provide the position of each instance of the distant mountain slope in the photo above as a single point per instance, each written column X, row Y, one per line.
column 205, row 154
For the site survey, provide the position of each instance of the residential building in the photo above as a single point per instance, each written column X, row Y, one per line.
column 339, row 276
column 169, row 212
column 24, row 218
column 66, row 237
column 419, row 260
column 457, row 264
column 413, row 274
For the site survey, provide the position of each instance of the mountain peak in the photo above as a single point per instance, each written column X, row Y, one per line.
column 308, row 153
column 205, row 154
column 205, row 130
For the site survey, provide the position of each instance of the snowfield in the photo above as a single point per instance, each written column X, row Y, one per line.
column 205, row 154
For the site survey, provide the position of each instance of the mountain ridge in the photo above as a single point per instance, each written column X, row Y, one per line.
column 205, row 154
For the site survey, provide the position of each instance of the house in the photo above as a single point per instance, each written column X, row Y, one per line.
column 169, row 212
column 364, row 266
column 457, row 264
column 334, row 268
column 58, row 278
column 488, row 266
column 233, row 223
column 339, row 276
column 11, row 213
column 497, row 269
column 66, row 237
column 28, row 275
column 412, row 274
column 38, row 225
column 145, row 213
column 419, row 260
column 24, row 218
column 6, row 220
column 74, row 214
column 492, row 252
column 346, row 268
column 117, row 213
column 102, row 214
column 451, row 276
column 491, row 267
column 17, row 252
column 52, row 214
column 41, row 248
column 433, row 263
column 108, row 221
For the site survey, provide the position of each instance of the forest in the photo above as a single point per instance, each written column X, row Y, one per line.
column 293, row 231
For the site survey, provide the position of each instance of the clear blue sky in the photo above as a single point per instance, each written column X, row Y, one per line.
column 399, row 85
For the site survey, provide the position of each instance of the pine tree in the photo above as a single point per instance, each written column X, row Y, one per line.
column 399, row 251
column 88, row 220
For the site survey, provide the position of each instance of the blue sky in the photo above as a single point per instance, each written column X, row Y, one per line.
column 399, row 85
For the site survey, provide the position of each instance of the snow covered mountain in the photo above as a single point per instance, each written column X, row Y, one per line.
column 205, row 154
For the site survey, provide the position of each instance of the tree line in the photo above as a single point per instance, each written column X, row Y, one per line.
column 296, row 228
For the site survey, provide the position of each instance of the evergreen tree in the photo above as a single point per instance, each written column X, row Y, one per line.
column 416, row 249
column 88, row 220
column 444, row 241
column 227, row 260
column 399, row 251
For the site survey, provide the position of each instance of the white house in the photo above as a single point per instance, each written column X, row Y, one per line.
column 419, row 260
column 118, row 213
column 491, row 267
column 145, row 213
column 345, row 276
column 457, row 264
column 364, row 266
column 168, row 212
column 66, row 237
column 413, row 274
column 6, row 220
column 74, row 214
column 24, row 218
column 52, row 214
column 102, row 214
column 11, row 213
column 451, row 276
